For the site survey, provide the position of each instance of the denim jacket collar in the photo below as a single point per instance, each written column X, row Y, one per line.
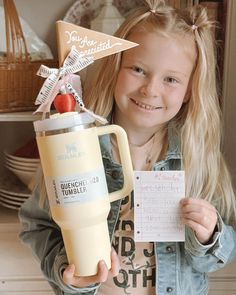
column 172, row 153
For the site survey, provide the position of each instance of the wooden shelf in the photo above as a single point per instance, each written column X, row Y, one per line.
column 19, row 117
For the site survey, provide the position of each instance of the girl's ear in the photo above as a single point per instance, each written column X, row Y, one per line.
column 187, row 96
column 188, row 91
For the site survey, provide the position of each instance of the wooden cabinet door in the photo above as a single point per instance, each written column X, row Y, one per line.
column 19, row 272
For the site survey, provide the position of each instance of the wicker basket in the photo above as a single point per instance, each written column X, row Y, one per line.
column 19, row 84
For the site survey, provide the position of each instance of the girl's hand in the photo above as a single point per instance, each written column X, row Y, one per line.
column 200, row 216
column 102, row 275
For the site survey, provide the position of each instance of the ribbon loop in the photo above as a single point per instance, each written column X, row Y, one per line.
column 61, row 72
column 73, row 63
column 45, row 71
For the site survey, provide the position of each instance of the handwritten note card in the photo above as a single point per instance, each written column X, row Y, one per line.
column 157, row 215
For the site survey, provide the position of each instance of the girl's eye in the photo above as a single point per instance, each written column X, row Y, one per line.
column 138, row 70
column 171, row 80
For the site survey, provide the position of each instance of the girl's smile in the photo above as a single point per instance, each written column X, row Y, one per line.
column 145, row 106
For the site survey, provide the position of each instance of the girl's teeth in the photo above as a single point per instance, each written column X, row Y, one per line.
column 145, row 106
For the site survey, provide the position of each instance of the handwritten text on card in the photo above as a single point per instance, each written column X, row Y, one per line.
column 157, row 215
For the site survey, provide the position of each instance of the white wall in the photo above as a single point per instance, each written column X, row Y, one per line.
column 229, row 93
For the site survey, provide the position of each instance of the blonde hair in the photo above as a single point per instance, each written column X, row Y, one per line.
column 199, row 120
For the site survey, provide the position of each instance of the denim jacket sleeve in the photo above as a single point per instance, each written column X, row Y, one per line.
column 43, row 236
column 213, row 256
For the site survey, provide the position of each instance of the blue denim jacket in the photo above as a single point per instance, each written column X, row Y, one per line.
column 182, row 266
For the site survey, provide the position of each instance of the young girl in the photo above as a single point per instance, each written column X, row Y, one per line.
column 163, row 93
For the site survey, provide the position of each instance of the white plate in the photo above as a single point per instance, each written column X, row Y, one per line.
column 21, row 159
column 25, row 176
column 4, row 204
column 11, row 193
column 10, row 202
column 13, row 198
column 20, row 168
column 21, row 163
column 10, row 184
column 83, row 12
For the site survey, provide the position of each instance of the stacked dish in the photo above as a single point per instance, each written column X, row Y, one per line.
column 23, row 168
column 13, row 193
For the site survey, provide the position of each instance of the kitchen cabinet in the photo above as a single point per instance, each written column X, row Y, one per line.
column 20, row 272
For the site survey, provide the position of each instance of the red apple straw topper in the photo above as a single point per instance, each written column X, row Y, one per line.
column 64, row 102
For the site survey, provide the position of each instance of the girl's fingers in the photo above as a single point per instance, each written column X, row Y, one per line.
column 203, row 220
column 196, row 226
column 195, row 204
column 69, row 277
column 102, row 274
column 68, row 274
column 115, row 264
column 203, row 235
column 200, row 216
column 199, row 211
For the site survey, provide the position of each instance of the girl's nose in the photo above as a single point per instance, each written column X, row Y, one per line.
column 151, row 88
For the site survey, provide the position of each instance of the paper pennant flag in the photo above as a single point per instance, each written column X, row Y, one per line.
column 88, row 42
